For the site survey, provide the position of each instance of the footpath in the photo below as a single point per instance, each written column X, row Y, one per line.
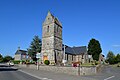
column 47, row 75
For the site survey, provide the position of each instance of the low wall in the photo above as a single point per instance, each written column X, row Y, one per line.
column 69, row 70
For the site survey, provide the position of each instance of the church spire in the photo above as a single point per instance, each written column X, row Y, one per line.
column 50, row 14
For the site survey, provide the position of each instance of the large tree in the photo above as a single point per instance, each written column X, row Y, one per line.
column 35, row 47
column 94, row 49
column 110, row 57
column 117, row 58
column 7, row 58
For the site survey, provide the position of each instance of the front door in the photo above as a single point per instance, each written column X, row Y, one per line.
column 45, row 58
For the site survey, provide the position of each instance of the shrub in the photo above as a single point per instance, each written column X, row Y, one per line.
column 32, row 62
column 96, row 62
column 27, row 62
column 16, row 61
column 47, row 62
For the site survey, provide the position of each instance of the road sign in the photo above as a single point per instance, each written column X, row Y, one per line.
column 38, row 55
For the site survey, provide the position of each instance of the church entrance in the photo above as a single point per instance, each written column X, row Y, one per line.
column 45, row 57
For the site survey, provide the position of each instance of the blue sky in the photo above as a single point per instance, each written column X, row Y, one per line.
column 21, row 20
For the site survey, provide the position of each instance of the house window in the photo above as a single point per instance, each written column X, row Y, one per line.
column 82, row 55
column 67, row 56
column 72, row 57
column 48, row 29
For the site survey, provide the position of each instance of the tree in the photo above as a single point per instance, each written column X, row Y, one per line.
column 7, row 58
column 110, row 57
column 94, row 49
column 35, row 47
column 1, row 58
column 117, row 58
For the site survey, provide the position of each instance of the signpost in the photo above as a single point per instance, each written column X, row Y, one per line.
column 38, row 56
column 64, row 61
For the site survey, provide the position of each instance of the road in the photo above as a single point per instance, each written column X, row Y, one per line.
column 9, row 73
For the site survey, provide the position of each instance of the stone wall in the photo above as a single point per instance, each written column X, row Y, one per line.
column 68, row 70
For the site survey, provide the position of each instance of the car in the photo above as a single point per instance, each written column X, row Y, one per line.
column 10, row 63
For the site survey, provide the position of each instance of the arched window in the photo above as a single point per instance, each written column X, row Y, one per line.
column 57, row 28
column 48, row 29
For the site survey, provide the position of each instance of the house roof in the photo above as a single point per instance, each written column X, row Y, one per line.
column 23, row 52
column 75, row 50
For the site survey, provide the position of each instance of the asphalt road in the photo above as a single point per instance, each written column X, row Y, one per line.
column 9, row 73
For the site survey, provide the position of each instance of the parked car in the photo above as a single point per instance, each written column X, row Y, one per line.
column 10, row 63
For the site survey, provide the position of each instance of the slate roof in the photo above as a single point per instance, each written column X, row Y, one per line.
column 75, row 50
column 22, row 52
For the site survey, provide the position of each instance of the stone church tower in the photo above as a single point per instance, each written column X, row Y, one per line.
column 52, row 40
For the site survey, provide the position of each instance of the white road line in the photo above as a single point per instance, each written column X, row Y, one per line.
column 45, row 78
column 109, row 78
column 35, row 76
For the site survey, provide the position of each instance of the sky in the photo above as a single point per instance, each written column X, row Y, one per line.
column 82, row 20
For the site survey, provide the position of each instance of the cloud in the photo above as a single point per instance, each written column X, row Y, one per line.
column 115, row 45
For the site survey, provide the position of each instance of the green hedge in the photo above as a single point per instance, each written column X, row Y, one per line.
column 16, row 61
column 47, row 62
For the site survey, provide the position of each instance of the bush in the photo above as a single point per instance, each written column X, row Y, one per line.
column 27, row 62
column 16, row 61
column 47, row 62
column 96, row 62
column 32, row 62
column 22, row 61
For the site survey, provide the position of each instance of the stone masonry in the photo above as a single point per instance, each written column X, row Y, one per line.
column 51, row 40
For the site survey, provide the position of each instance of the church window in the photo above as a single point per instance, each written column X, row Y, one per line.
column 58, row 53
column 48, row 29
column 57, row 29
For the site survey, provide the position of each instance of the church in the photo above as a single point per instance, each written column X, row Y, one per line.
column 52, row 46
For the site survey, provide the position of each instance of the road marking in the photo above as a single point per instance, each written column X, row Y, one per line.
column 45, row 78
column 109, row 78
column 35, row 76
